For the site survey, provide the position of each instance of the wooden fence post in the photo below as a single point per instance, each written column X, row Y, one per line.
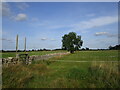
column 25, row 45
column 16, row 46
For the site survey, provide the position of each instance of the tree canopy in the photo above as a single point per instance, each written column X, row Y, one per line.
column 71, row 42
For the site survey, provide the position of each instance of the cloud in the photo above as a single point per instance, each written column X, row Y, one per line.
column 43, row 39
column 21, row 17
column 106, row 34
column 112, row 35
column 5, row 9
column 82, row 26
column 95, row 22
column 101, row 33
column 100, row 42
column 22, row 5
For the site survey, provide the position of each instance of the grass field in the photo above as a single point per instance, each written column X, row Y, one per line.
column 12, row 54
column 54, row 74
column 92, row 56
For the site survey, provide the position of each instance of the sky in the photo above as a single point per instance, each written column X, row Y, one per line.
column 44, row 23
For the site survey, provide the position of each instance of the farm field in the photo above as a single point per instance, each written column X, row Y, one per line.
column 55, row 74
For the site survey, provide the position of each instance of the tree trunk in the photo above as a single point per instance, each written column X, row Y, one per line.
column 71, row 51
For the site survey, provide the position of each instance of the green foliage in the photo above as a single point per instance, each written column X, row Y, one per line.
column 71, row 42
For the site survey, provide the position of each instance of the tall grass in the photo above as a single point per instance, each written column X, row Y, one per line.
column 53, row 74
column 18, row 76
column 105, row 75
column 98, row 75
column 40, row 75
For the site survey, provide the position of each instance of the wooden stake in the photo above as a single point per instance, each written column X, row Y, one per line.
column 25, row 45
column 16, row 46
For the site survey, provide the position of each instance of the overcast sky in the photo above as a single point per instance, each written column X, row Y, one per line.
column 44, row 24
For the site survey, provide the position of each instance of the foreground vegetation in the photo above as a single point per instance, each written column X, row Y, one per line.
column 53, row 74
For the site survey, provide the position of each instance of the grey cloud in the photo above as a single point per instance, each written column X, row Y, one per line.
column 43, row 39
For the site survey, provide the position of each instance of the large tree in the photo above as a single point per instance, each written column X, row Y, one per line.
column 71, row 42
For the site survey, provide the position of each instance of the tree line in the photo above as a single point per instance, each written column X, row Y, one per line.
column 116, row 47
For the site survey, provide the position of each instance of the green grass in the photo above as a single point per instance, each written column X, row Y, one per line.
column 13, row 54
column 92, row 56
column 53, row 74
